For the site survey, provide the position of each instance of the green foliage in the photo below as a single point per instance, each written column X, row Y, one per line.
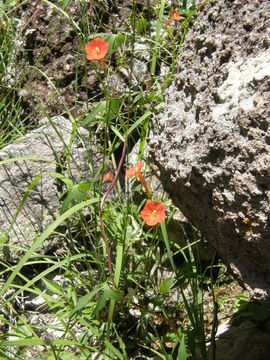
column 75, row 194
column 138, row 23
column 165, row 286
column 7, row 32
column 115, row 41
column 241, row 303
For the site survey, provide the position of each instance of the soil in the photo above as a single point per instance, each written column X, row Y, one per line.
column 53, row 76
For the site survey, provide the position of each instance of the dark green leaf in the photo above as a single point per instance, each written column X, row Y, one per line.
column 108, row 294
column 85, row 300
column 98, row 110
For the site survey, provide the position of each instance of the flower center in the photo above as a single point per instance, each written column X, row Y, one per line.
column 97, row 50
column 154, row 213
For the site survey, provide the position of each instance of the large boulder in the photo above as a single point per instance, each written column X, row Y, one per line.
column 212, row 144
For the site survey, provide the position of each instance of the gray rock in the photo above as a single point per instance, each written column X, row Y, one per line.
column 212, row 140
column 42, row 206
column 247, row 340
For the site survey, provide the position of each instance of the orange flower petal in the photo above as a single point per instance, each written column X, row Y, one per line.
column 134, row 170
column 175, row 15
column 108, row 177
column 96, row 49
column 153, row 212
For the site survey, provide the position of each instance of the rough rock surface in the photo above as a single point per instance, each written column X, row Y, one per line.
column 212, row 144
column 42, row 206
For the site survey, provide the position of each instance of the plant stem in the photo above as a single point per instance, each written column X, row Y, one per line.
column 157, row 37
column 100, row 212
column 143, row 182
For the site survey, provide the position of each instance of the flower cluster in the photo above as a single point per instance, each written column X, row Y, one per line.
column 97, row 48
column 136, row 171
column 153, row 212
column 107, row 177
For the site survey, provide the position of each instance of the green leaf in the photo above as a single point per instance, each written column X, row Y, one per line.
column 142, row 118
column 182, row 353
column 114, row 105
column 3, row 238
column 165, row 285
column 75, row 195
column 141, row 25
column 65, row 355
column 52, row 300
column 64, row 4
column 241, row 302
column 117, row 133
column 53, row 286
column 108, row 110
column 108, row 294
column 25, row 158
column 112, row 294
column 98, row 110
column 23, row 342
column 143, row 138
column 86, row 186
column 100, row 304
column 167, row 244
column 42, row 238
column 85, row 300
column 115, row 41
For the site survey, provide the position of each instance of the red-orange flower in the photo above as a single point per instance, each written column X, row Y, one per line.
column 136, row 171
column 153, row 212
column 108, row 177
column 175, row 16
column 97, row 50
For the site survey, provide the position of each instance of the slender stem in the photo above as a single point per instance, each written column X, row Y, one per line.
column 143, row 182
column 100, row 213
column 103, row 63
column 167, row 244
column 106, row 245
column 157, row 38
column 115, row 178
